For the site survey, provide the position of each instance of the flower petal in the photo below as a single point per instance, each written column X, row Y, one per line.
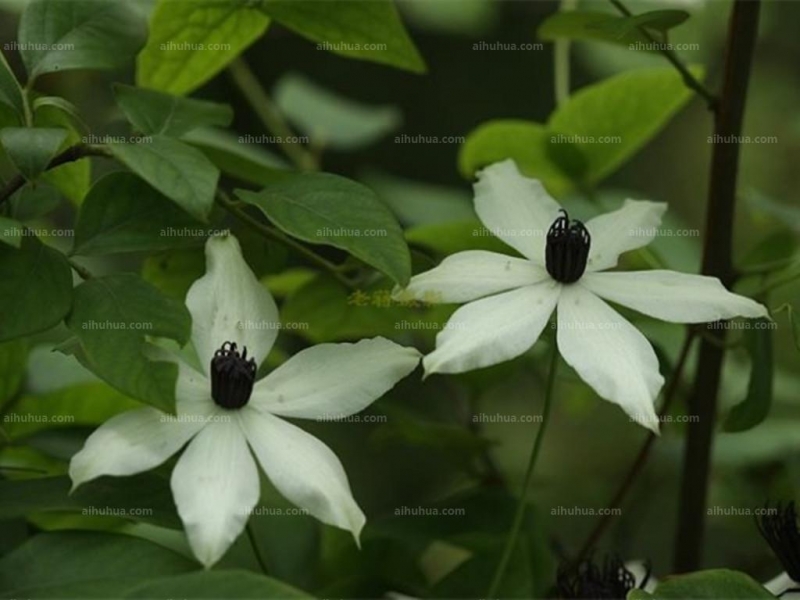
column 672, row 296
column 493, row 329
column 193, row 395
column 303, row 469
column 131, row 442
column 515, row 208
column 470, row 275
column 609, row 354
column 229, row 304
column 215, row 485
column 332, row 381
column 632, row 226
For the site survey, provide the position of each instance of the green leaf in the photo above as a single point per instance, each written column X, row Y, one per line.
column 449, row 238
column 13, row 359
column 155, row 113
column 111, row 317
column 79, row 34
column 712, row 584
column 174, row 272
column 523, row 141
column 31, row 150
column 587, row 25
column 330, row 119
column 11, row 232
column 64, row 106
column 416, row 202
column 235, row 156
column 123, row 213
column 182, row 173
column 365, row 30
column 610, row 121
column 71, row 179
column 605, row 27
column 83, row 564
column 85, row 404
column 755, row 407
column 216, row 584
column 10, row 90
column 36, row 288
column 321, row 208
column 145, row 497
column 178, row 59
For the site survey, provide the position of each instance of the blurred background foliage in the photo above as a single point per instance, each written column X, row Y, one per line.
column 430, row 451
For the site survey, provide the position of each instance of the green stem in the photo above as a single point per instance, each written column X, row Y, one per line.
column 252, row 537
column 273, row 234
column 516, row 527
column 690, row 80
column 561, row 61
column 270, row 116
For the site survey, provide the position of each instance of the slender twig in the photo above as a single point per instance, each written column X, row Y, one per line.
column 644, row 452
column 522, row 503
column 256, row 550
column 71, row 154
column 258, row 99
column 718, row 263
column 274, row 234
column 690, row 80
column 82, row 271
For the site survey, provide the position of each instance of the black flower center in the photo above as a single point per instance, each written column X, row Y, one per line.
column 567, row 249
column 586, row 579
column 778, row 526
column 232, row 376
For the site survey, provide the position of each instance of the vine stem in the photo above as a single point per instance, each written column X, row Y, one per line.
column 644, row 452
column 690, row 80
column 519, row 516
column 258, row 99
column 717, row 262
column 273, row 234
column 256, row 551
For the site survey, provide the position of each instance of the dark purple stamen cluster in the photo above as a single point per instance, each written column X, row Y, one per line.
column 232, row 376
column 567, row 249
column 778, row 526
column 586, row 579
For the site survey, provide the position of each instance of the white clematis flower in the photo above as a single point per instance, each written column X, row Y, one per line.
column 510, row 300
column 223, row 410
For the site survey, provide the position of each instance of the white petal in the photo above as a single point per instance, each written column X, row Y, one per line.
column 470, row 275
column 632, row 226
column 609, row 354
column 672, row 296
column 515, row 208
column 193, row 395
column 129, row 443
column 332, row 381
column 303, row 469
column 228, row 304
column 493, row 329
column 778, row 585
column 215, row 486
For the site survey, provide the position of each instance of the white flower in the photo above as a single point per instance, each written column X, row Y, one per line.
column 215, row 483
column 510, row 300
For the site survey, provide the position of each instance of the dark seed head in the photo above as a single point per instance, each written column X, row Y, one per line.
column 586, row 579
column 778, row 526
column 567, row 249
column 232, row 376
